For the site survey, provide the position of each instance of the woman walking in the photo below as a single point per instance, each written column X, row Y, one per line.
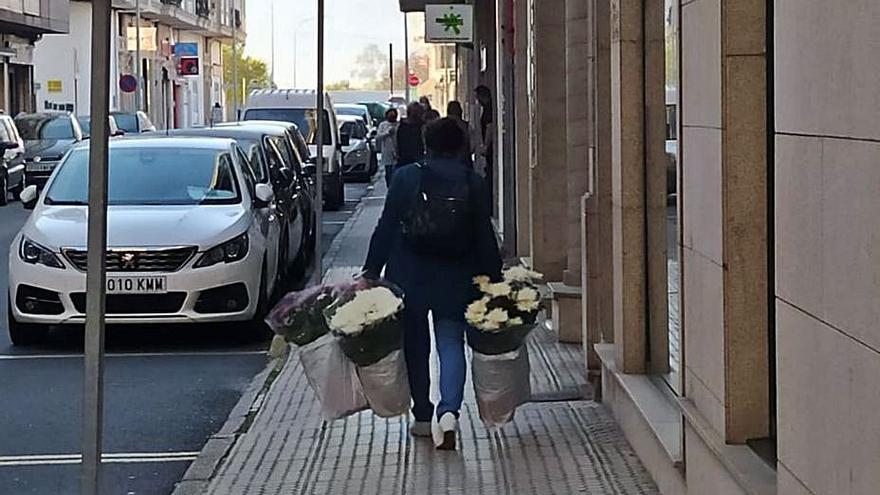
column 434, row 236
column 386, row 138
column 410, row 136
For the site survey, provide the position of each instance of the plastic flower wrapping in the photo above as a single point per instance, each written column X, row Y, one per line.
column 505, row 312
column 299, row 316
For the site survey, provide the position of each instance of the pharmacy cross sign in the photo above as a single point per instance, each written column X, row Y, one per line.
column 449, row 23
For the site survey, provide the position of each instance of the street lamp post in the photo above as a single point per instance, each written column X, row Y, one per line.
column 93, row 390
column 234, row 64
column 319, row 162
column 137, row 55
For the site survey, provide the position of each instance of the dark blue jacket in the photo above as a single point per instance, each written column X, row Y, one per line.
column 441, row 284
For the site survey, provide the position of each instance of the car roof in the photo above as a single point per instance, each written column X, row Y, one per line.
column 285, row 98
column 163, row 141
column 349, row 118
column 46, row 115
column 352, row 105
column 272, row 127
column 230, row 132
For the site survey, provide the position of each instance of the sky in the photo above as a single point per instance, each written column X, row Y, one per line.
column 350, row 26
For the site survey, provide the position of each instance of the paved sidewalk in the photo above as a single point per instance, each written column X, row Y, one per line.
column 561, row 443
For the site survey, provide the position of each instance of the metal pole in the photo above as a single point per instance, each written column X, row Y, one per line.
column 319, row 163
column 406, row 56
column 137, row 56
column 93, row 399
column 391, row 68
column 234, row 65
column 272, row 30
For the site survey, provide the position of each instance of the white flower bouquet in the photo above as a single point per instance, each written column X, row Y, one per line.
column 366, row 322
column 506, row 312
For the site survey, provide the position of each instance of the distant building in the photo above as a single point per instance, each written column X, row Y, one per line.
column 22, row 23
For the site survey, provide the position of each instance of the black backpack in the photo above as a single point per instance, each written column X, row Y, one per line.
column 440, row 221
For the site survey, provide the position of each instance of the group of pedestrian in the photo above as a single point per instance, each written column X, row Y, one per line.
column 402, row 141
column 434, row 236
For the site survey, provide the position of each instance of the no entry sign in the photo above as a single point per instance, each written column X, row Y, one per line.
column 414, row 80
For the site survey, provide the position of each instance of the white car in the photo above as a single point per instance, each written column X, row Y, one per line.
column 358, row 161
column 191, row 238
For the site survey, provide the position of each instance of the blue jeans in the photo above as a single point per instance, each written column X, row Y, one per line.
column 449, row 335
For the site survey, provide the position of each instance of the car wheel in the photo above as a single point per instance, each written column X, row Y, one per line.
column 24, row 334
column 4, row 190
column 258, row 324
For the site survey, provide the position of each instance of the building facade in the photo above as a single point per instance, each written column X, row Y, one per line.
column 170, row 31
column 22, row 24
column 698, row 181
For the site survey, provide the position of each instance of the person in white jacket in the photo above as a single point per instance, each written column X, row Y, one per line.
column 386, row 138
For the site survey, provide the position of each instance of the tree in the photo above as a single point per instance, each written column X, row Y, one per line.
column 252, row 72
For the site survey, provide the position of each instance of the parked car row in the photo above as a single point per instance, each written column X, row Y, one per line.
column 205, row 225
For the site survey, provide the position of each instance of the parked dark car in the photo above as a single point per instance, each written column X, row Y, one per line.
column 47, row 137
column 377, row 111
column 85, row 123
column 133, row 122
column 273, row 162
column 12, row 154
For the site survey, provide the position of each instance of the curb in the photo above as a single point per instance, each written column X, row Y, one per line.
column 199, row 474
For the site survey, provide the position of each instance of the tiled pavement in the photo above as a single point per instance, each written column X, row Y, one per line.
column 563, row 443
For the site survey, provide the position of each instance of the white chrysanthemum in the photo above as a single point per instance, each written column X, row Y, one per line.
column 515, row 321
column 497, row 315
column 476, row 311
column 528, row 306
column 527, row 294
column 368, row 307
column 489, row 326
column 499, row 289
column 482, row 282
column 521, row 274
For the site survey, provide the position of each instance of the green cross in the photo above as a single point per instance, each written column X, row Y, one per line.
column 451, row 22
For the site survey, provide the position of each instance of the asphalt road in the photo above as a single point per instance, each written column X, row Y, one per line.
column 167, row 389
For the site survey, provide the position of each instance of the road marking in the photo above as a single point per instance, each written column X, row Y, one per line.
column 109, row 458
column 22, row 357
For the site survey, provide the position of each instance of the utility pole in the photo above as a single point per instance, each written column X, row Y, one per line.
column 406, row 55
column 234, row 64
column 319, row 162
column 93, row 390
column 391, row 68
column 137, row 56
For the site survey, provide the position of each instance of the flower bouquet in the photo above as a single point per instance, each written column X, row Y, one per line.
column 366, row 322
column 369, row 333
column 299, row 316
column 501, row 320
column 505, row 314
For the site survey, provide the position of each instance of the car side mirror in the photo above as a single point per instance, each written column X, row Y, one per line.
column 373, row 134
column 344, row 139
column 119, row 133
column 286, row 173
column 310, row 169
column 29, row 197
column 263, row 195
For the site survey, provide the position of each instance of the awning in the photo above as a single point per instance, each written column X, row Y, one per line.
column 419, row 5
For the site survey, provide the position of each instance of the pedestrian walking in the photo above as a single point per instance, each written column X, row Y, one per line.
column 386, row 138
column 433, row 238
column 487, row 135
column 455, row 112
column 410, row 136
column 216, row 114
column 430, row 114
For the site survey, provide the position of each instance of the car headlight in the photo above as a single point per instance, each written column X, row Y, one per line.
column 35, row 254
column 228, row 252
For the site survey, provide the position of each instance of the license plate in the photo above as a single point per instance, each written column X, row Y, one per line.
column 40, row 167
column 136, row 285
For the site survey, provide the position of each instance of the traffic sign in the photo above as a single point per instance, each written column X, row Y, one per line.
column 127, row 83
column 414, row 80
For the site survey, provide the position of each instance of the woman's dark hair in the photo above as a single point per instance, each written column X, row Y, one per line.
column 390, row 111
column 453, row 109
column 444, row 137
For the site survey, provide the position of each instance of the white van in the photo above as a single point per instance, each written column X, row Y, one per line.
column 298, row 106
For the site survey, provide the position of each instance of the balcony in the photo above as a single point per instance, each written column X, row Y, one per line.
column 203, row 8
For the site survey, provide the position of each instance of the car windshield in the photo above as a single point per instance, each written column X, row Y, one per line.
column 304, row 118
column 353, row 129
column 151, row 176
column 357, row 112
column 85, row 123
column 36, row 127
column 127, row 122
